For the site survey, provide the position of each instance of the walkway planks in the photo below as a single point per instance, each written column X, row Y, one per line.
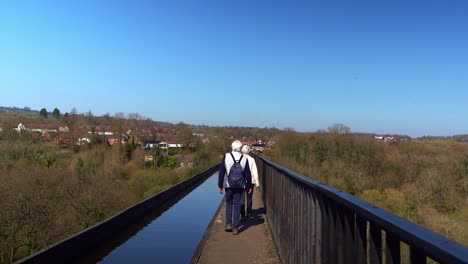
column 253, row 244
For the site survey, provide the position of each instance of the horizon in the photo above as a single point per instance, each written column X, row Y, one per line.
column 379, row 68
column 203, row 125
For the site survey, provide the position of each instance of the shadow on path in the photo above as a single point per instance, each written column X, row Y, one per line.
column 258, row 218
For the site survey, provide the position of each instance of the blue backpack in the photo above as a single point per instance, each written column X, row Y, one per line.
column 236, row 174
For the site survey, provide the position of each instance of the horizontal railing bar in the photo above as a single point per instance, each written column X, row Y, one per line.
column 434, row 245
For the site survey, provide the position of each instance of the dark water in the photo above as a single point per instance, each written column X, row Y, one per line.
column 174, row 235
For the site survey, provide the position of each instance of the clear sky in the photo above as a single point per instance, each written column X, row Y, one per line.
column 375, row 66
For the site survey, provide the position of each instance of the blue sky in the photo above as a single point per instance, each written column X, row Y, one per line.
column 376, row 66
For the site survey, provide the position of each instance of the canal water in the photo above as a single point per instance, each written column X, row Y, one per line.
column 171, row 236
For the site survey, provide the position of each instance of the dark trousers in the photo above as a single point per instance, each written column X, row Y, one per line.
column 246, row 199
column 233, row 204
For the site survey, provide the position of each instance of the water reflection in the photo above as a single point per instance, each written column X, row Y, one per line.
column 171, row 236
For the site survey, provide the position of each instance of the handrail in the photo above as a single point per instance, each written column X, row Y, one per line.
column 314, row 223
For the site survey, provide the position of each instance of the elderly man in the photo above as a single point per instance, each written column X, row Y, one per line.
column 255, row 181
column 234, row 178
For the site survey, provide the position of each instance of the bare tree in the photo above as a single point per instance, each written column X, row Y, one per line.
column 339, row 129
column 135, row 116
column 119, row 115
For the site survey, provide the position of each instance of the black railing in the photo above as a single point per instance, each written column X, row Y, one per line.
column 315, row 223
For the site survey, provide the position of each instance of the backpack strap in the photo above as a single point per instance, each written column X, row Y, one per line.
column 233, row 157
column 236, row 161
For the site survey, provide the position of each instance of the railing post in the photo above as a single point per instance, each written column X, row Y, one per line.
column 309, row 226
column 392, row 249
column 375, row 244
column 340, row 241
column 318, row 229
column 349, row 237
column 416, row 256
column 304, row 213
column 325, row 236
column 361, row 240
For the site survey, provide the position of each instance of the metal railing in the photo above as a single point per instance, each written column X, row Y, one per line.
column 315, row 223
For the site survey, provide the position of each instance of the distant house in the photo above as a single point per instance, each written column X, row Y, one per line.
column 175, row 145
column 390, row 139
column 248, row 140
column 112, row 141
column 166, row 145
column 63, row 141
column 149, row 158
column 102, row 131
column 45, row 128
column 20, row 127
column 83, row 141
column 64, row 129
column 152, row 144
column 258, row 147
column 46, row 135
column 198, row 134
column 38, row 128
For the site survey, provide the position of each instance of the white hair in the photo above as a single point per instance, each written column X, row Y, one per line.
column 236, row 145
column 245, row 149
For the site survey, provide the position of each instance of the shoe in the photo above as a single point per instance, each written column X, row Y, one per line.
column 242, row 218
column 235, row 232
column 228, row 228
column 249, row 215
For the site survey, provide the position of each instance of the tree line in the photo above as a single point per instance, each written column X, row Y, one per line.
column 48, row 192
column 423, row 181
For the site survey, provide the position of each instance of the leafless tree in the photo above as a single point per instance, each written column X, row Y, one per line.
column 339, row 129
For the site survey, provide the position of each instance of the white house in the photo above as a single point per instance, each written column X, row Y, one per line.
column 83, row 141
column 151, row 144
column 175, row 145
column 64, row 129
column 20, row 127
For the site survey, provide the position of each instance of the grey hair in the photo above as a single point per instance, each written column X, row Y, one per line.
column 236, row 145
column 245, row 149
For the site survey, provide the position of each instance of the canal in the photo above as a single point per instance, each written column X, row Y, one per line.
column 168, row 236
